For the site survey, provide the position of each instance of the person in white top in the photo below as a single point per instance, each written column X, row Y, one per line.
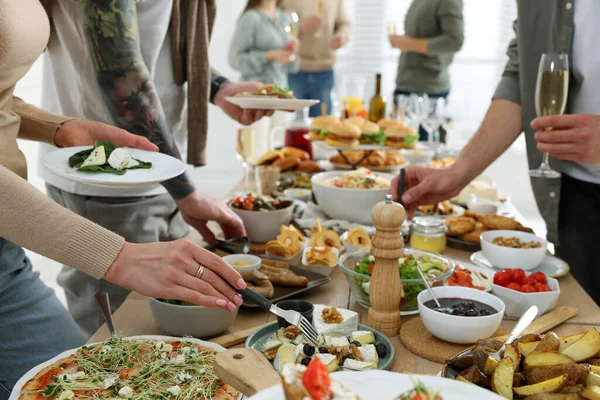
column 111, row 61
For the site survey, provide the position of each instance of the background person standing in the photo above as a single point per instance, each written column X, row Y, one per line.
column 324, row 28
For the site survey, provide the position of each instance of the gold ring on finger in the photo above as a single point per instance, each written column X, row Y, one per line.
column 200, row 272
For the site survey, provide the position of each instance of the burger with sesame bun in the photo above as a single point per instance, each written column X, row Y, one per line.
column 371, row 133
column 401, row 136
column 343, row 134
column 319, row 128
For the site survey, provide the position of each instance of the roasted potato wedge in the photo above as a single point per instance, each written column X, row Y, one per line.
column 550, row 342
column 461, row 361
column 591, row 392
column 492, row 344
column 576, row 373
column 530, row 337
column 545, row 358
column 527, row 348
column 549, row 386
column 502, row 379
column 573, row 389
column 592, row 379
column 566, row 341
column 483, row 361
column 595, row 369
column 554, row 396
column 586, row 347
column 461, row 379
column 513, row 352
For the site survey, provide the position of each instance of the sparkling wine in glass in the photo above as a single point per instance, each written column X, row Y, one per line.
column 246, row 151
column 551, row 92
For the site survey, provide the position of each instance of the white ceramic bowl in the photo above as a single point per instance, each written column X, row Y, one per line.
column 298, row 194
column 196, row 321
column 253, row 261
column 418, row 156
column 262, row 226
column 482, row 206
column 323, row 270
column 507, row 257
column 518, row 302
column 353, row 205
column 455, row 329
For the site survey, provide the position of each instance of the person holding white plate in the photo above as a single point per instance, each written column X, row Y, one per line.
column 34, row 324
column 134, row 79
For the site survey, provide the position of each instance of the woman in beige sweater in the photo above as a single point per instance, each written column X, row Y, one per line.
column 34, row 325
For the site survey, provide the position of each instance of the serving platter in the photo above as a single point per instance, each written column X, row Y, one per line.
column 385, row 385
column 551, row 266
column 258, row 338
column 270, row 103
column 16, row 392
column 283, row 292
column 164, row 167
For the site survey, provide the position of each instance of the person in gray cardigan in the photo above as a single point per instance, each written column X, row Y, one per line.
column 262, row 48
column 434, row 31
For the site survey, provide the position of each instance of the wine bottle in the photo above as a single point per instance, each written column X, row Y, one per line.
column 377, row 104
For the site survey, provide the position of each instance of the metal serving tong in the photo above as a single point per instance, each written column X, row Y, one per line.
column 239, row 245
column 291, row 316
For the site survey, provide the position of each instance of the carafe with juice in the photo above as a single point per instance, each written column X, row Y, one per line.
column 296, row 132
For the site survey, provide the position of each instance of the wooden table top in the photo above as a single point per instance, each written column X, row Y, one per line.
column 134, row 316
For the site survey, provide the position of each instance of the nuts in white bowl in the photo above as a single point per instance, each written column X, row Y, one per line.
column 460, row 329
column 502, row 256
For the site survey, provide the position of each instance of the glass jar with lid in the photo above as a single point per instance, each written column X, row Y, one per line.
column 428, row 234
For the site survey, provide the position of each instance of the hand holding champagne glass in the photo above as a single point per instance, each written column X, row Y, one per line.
column 551, row 92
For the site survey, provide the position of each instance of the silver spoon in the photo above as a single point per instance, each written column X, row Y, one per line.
column 439, row 307
column 104, row 302
column 523, row 322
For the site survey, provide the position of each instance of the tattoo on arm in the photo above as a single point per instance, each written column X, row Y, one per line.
column 126, row 85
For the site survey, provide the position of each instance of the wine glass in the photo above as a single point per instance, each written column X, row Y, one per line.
column 417, row 108
column 551, row 92
column 246, row 151
column 320, row 14
column 293, row 27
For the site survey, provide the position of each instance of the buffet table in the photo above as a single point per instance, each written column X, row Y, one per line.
column 134, row 316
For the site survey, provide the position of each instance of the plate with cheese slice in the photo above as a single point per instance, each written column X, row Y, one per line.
column 343, row 342
column 108, row 165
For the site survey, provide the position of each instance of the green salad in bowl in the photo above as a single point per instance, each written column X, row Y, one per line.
column 358, row 268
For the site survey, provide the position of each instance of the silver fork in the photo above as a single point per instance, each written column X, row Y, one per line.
column 291, row 316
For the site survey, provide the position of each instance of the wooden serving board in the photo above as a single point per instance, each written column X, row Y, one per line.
column 247, row 370
column 419, row 341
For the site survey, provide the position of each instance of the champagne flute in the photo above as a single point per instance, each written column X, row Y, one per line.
column 551, row 92
column 320, row 14
column 246, row 151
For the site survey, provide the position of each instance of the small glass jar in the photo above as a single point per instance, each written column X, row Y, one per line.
column 428, row 234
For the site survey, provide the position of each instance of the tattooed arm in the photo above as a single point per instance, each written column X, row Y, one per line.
column 113, row 37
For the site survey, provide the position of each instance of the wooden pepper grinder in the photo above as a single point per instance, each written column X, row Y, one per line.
column 385, row 291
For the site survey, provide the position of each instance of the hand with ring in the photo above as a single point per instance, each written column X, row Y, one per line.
column 178, row 270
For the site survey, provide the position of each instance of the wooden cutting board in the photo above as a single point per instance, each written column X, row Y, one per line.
column 247, row 370
column 419, row 341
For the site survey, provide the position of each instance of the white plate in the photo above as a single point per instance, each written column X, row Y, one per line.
column 16, row 392
column 385, row 385
column 271, row 103
column 387, row 168
column 551, row 266
column 485, row 271
column 164, row 167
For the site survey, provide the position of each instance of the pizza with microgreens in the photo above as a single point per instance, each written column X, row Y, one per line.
column 132, row 369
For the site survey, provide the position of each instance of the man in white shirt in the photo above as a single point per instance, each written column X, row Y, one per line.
column 111, row 61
